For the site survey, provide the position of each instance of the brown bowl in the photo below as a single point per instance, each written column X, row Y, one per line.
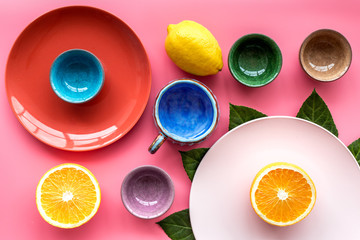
column 325, row 55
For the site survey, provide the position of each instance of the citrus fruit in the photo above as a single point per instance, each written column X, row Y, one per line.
column 193, row 48
column 68, row 196
column 282, row 194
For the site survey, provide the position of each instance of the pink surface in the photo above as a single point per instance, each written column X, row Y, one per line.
column 25, row 159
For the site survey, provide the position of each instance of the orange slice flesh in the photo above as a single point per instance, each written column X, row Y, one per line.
column 282, row 194
column 68, row 196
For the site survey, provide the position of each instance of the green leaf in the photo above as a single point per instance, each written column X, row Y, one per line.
column 177, row 226
column 354, row 148
column 191, row 160
column 315, row 110
column 242, row 114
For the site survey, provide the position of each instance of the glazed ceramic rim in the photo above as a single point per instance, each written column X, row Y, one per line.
column 214, row 104
column 306, row 41
column 152, row 168
column 268, row 41
column 99, row 67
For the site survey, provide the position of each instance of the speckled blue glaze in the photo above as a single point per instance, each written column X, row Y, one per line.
column 185, row 111
column 76, row 76
column 147, row 192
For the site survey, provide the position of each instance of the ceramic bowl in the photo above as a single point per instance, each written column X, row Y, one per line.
column 325, row 55
column 147, row 192
column 255, row 60
column 76, row 76
column 186, row 112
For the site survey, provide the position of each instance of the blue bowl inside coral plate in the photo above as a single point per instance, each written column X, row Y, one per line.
column 76, row 76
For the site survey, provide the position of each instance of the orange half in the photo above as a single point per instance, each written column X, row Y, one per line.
column 68, row 196
column 282, row 194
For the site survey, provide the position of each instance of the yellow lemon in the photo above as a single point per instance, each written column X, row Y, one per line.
column 68, row 196
column 193, row 48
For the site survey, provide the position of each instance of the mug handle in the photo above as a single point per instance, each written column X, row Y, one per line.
column 159, row 140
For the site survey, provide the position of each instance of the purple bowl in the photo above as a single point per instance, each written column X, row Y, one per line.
column 147, row 192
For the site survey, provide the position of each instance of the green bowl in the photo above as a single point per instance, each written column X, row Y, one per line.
column 255, row 60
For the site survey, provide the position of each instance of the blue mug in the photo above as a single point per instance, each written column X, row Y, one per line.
column 185, row 111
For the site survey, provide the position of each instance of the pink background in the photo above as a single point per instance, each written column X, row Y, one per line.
column 25, row 159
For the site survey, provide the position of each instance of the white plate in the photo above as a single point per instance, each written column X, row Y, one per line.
column 220, row 207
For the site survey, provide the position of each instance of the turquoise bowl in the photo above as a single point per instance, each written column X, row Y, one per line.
column 76, row 76
column 255, row 60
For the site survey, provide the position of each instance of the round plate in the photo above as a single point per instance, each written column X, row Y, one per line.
column 220, row 205
column 106, row 118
